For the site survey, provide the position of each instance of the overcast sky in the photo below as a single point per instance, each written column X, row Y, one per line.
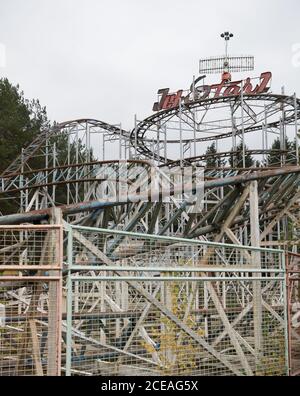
column 105, row 59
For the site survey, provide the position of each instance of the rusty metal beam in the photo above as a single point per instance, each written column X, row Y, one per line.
column 36, row 216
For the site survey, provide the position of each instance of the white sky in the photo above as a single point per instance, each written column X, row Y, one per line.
column 105, row 59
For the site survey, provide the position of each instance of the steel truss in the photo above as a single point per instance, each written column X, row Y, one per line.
column 256, row 207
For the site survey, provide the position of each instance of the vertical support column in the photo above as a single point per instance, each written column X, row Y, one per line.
column 135, row 136
column 69, row 303
column 102, row 306
column 266, row 134
column 120, row 142
column 103, row 145
column 77, row 161
column 118, row 286
column 153, row 150
column 243, row 128
column 158, row 142
column 88, row 159
column 21, row 182
column 256, row 263
column 54, row 173
column 169, row 349
column 287, row 312
column 233, row 125
column 282, row 129
column 69, row 162
column 165, row 144
column 296, row 129
column 55, row 298
column 194, row 120
column 180, row 134
column 46, row 173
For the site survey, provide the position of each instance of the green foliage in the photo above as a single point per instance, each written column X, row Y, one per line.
column 65, row 155
column 214, row 161
column 177, row 351
column 236, row 160
column 273, row 362
column 20, row 121
column 290, row 146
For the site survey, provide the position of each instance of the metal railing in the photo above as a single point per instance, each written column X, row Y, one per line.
column 30, row 300
column 139, row 304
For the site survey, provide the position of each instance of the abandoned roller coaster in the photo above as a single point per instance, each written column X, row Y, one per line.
column 141, row 253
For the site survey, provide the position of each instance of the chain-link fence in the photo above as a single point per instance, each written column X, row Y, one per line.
column 148, row 305
column 138, row 305
column 30, row 300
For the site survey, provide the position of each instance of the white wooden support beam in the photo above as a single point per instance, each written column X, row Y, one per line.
column 256, row 263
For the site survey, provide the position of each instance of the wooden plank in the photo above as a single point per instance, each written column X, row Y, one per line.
column 36, row 349
column 54, row 244
column 256, row 263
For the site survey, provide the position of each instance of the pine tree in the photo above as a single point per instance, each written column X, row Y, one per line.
column 274, row 158
column 21, row 120
column 214, row 160
column 236, row 160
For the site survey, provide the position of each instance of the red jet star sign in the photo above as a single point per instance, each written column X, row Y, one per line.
column 224, row 89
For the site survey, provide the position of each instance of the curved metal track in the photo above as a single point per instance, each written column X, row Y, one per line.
column 276, row 188
column 219, row 155
column 138, row 133
column 33, row 146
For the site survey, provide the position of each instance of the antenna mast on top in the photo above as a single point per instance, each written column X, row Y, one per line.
column 226, row 36
column 226, row 64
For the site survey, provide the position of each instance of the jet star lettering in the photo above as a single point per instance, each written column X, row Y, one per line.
column 224, row 89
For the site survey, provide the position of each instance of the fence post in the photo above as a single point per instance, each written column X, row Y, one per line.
column 256, row 263
column 287, row 312
column 55, row 298
column 69, row 302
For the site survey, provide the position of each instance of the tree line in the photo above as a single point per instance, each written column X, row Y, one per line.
column 235, row 158
column 21, row 120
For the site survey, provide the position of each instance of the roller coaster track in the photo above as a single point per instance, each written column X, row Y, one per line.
column 42, row 137
column 219, row 155
column 138, row 133
column 84, row 172
column 36, row 181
